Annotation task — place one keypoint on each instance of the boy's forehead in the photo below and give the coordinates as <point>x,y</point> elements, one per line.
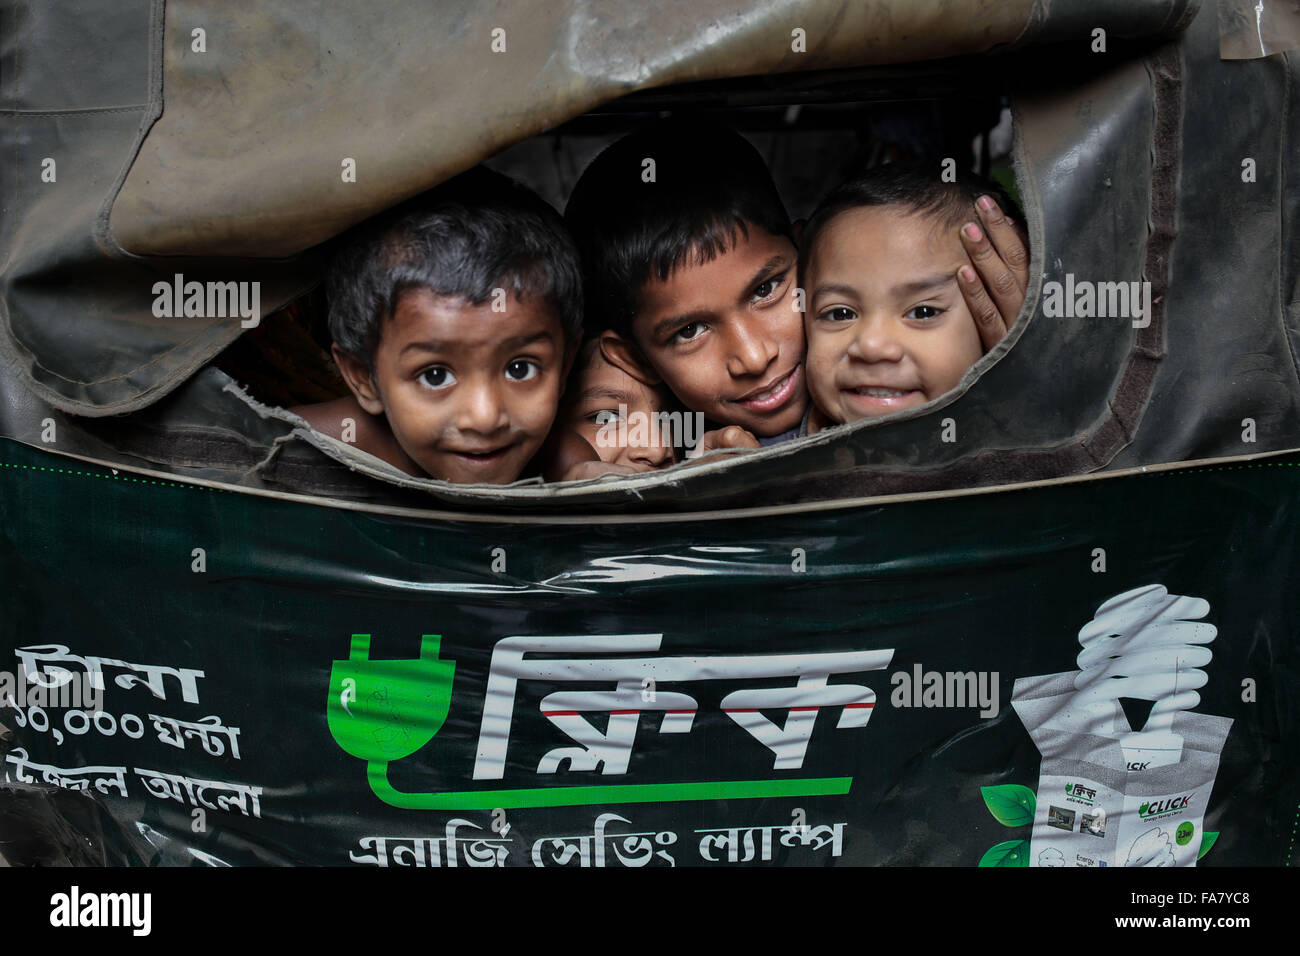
<point>698,286</point>
<point>424,317</point>
<point>897,242</point>
<point>602,379</point>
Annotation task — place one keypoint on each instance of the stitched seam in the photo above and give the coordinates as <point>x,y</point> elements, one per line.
<point>76,112</point>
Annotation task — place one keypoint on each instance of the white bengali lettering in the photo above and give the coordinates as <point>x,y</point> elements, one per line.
<point>610,749</point>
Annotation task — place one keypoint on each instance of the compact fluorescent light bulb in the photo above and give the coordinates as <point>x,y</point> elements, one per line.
<point>1147,644</point>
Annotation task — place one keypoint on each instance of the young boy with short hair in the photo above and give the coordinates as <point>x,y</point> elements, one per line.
<point>887,325</point>
<point>690,256</point>
<point>690,259</point>
<point>455,318</point>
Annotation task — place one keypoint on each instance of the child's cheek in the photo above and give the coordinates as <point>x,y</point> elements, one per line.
<point>543,412</point>
<point>687,390</point>
<point>817,360</point>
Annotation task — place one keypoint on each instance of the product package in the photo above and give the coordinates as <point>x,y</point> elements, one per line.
<point>1109,795</point>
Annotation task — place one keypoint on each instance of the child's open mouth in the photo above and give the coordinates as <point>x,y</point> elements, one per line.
<point>480,459</point>
<point>771,397</point>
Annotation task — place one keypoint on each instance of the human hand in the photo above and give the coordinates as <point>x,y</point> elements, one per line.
<point>594,469</point>
<point>733,436</point>
<point>994,288</point>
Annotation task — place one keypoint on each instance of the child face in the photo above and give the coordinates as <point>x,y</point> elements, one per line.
<point>470,393</point>
<point>888,328</point>
<point>598,391</point>
<point>725,338</point>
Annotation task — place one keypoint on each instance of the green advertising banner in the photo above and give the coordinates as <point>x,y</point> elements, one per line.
<point>1088,673</point>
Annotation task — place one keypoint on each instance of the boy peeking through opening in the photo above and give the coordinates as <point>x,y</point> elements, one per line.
<point>689,256</point>
<point>610,422</point>
<point>888,324</point>
<point>455,319</point>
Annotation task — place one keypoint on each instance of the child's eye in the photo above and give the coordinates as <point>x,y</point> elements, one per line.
<point>839,314</point>
<point>437,377</point>
<point>604,417</point>
<point>923,312</point>
<point>520,370</point>
<point>689,331</point>
<point>765,288</point>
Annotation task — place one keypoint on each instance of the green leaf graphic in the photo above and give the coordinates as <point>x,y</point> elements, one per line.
<point>1011,804</point>
<point>1207,841</point>
<point>1010,853</point>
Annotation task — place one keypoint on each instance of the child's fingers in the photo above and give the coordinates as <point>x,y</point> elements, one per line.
<point>733,436</point>
<point>988,319</point>
<point>1001,281</point>
<point>1003,288</point>
<point>594,469</point>
<point>1005,238</point>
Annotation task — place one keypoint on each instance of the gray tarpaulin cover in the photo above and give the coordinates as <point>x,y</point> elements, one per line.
<point>225,165</point>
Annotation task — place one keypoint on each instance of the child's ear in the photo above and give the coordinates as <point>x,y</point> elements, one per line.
<point>359,380</point>
<point>623,353</point>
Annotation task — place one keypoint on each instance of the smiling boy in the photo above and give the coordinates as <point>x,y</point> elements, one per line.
<point>690,257</point>
<point>888,327</point>
<point>455,319</point>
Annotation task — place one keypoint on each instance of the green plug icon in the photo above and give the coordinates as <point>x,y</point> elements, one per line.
<point>385,710</point>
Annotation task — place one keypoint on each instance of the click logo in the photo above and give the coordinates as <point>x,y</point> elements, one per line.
<point>1079,792</point>
<point>74,909</point>
<point>1157,808</point>
<point>396,707</point>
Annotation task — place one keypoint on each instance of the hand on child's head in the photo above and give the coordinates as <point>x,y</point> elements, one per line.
<point>995,282</point>
<point>888,328</point>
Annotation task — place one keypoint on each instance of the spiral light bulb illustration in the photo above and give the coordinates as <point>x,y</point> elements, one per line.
<point>1146,644</point>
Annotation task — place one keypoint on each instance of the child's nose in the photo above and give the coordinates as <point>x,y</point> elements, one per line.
<point>876,340</point>
<point>481,410</point>
<point>751,351</point>
<point>652,454</point>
